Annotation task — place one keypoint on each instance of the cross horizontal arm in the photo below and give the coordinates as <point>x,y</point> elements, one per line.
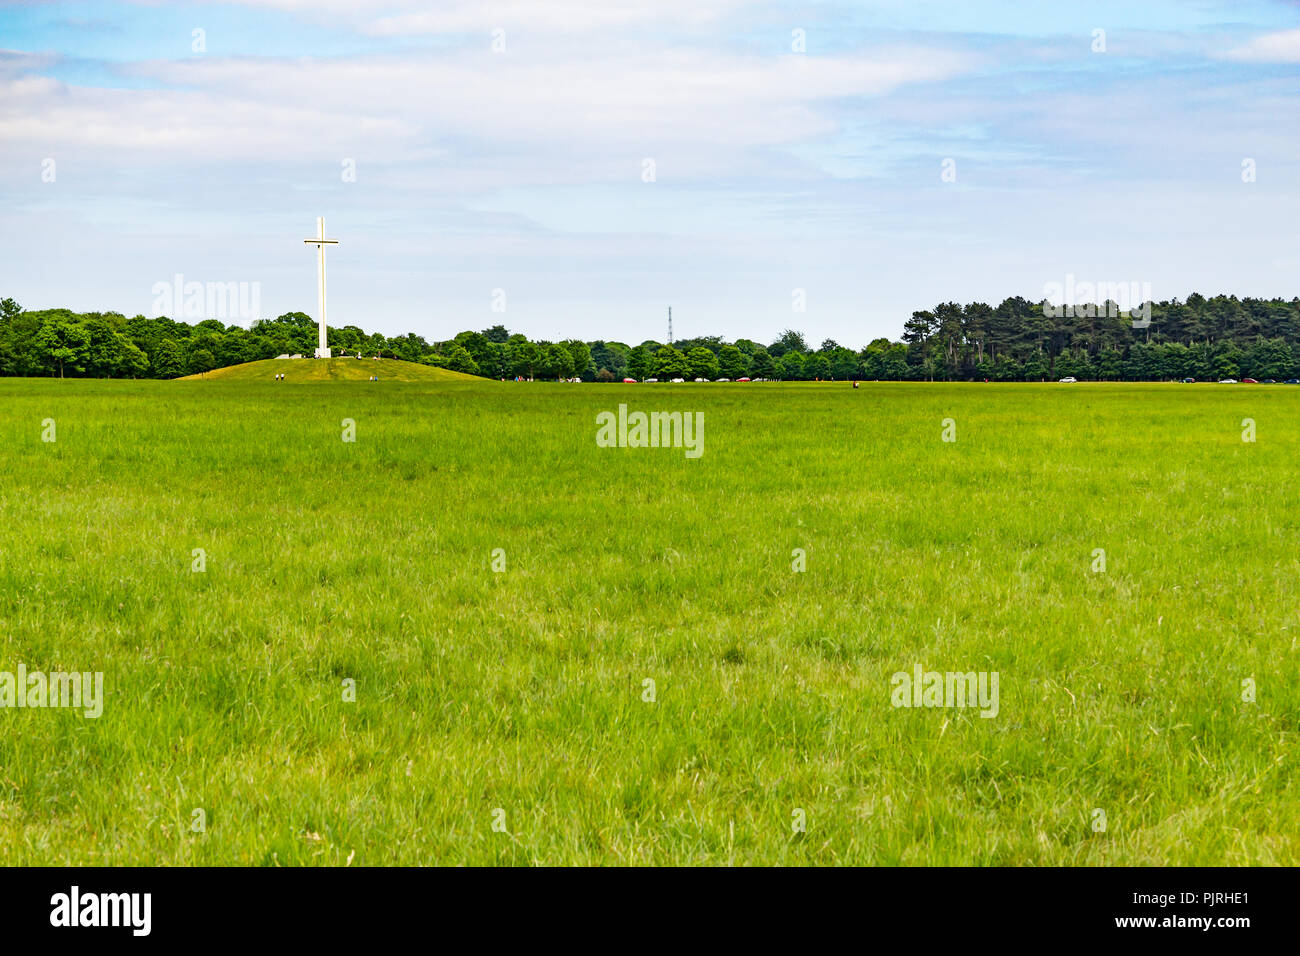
<point>328,242</point>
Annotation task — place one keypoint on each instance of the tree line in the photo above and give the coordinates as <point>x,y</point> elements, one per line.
<point>1017,340</point>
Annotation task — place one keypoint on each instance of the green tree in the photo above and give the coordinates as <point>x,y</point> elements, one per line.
<point>1036,367</point>
<point>702,363</point>
<point>1007,369</point>
<point>788,341</point>
<point>476,344</point>
<point>168,361</point>
<point>792,366</point>
<point>894,368</point>
<point>557,361</point>
<point>581,353</point>
<point>459,360</point>
<point>1269,358</point>
<point>201,360</point>
<point>844,364</point>
<point>732,362</point>
<point>610,357</point>
<point>526,358</point>
<point>346,339</point>
<point>817,366</point>
<point>761,364</point>
<point>1109,365</point>
<point>133,362</point>
<point>63,343</point>
<point>494,364</point>
<point>669,363</point>
<point>110,352</point>
<point>920,328</point>
<point>638,363</point>
<point>1227,362</point>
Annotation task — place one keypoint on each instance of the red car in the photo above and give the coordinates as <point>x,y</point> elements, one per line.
<point>630,381</point>
<point>743,379</point>
<point>1249,381</point>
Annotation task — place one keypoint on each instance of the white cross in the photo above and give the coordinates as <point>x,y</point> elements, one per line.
<point>322,350</point>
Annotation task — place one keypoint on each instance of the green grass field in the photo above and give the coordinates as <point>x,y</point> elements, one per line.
<point>523,690</point>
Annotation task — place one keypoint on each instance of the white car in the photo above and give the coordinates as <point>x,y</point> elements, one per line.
<point>701,380</point>
<point>724,380</point>
<point>1227,381</point>
<point>1069,380</point>
<point>678,381</point>
<point>650,381</point>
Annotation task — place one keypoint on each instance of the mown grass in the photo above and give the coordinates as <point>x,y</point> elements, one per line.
<point>522,690</point>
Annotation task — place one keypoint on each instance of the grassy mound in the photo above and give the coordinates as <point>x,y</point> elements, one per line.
<point>333,370</point>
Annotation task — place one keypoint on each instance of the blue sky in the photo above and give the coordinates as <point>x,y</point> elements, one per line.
<point>523,169</point>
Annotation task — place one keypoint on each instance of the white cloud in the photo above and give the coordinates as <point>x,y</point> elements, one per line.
<point>165,125</point>
<point>15,62</point>
<point>464,16</point>
<point>540,117</point>
<point>1280,47</point>
<point>458,17</point>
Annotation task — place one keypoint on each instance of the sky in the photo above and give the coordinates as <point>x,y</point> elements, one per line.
<point>573,169</point>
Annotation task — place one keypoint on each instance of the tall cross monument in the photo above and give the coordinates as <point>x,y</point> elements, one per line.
<point>322,350</point>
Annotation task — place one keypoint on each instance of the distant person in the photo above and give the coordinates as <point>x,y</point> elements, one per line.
<point>855,384</point>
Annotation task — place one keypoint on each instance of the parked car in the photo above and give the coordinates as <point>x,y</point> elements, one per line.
<point>701,380</point>
<point>743,379</point>
<point>1227,381</point>
<point>1292,381</point>
<point>1269,381</point>
<point>630,381</point>
<point>723,380</point>
<point>651,381</point>
<point>1189,381</point>
<point>1069,380</point>
<point>677,381</point>
<point>1249,381</point>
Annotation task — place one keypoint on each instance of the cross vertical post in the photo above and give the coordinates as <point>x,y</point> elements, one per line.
<point>322,350</point>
